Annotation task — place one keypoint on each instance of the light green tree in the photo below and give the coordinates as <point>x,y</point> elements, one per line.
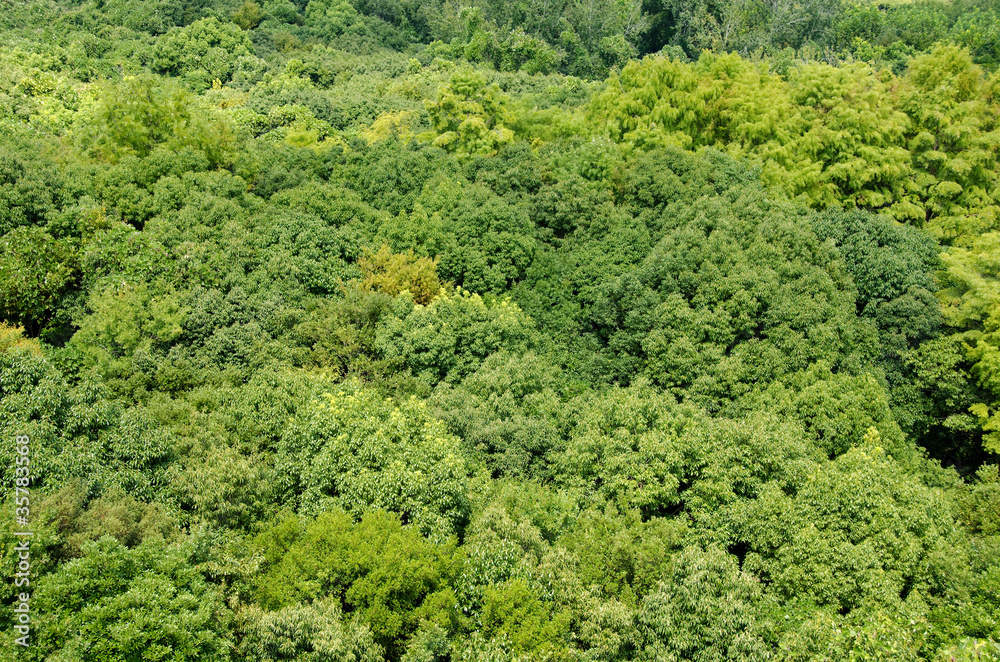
<point>311,632</point>
<point>357,450</point>
<point>202,51</point>
<point>469,116</point>
<point>119,604</point>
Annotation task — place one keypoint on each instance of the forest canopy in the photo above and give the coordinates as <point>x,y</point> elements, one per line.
<point>567,330</point>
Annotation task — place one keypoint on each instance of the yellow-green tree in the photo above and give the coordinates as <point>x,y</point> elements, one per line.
<point>394,273</point>
<point>469,116</point>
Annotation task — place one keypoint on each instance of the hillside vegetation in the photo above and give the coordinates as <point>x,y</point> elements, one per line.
<point>532,330</point>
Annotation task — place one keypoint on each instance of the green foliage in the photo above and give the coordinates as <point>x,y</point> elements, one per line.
<point>126,319</point>
<point>839,410</point>
<point>740,26</point>
<point>509,413</point>
<point>330,18</point>
<point>429,644</point>
<point>737,292</point>
<point>977,31</point>
<point>953,142</point>
<point>970,279</point>
<point>893,268</point>
<point>223,487</point>
<point>873,546</point>
<point>620,554</point>
<point>12,338</point>
<point>355,450</point>
<point>706,608</point>
<point>877,635</point>
<point>655,359</point>
<point>972,649</point>
<point>202,51</point>
<point>470,117</point>
<point>115,603</point>
<point>628,448</point>
<point>340,334</point>
<point>34,399</point>
<point>384,572</point>
<point>248,15</point>
<point>512,612</point>
<point>979,502</point>
<point>306,633</point>
<point>154,17</point>
<point>140,113</point>
<point>79,433</point>
<point>394,273</point>
<point>450,337</point>
<point>825,133</point>
<point>36,271</point>
<point>30,192</point>
<point>490,246</point>
<point>75,520</point>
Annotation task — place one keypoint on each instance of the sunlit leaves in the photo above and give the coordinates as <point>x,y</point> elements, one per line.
<point>386,573</point>
<point>451,336</point>
<point>306,633</point>
<point>357,451</point>
<point>394,273</point>
<point>469,116</point>
<point>35,271</point>
<point>136,115</point>
<point>202,51</point>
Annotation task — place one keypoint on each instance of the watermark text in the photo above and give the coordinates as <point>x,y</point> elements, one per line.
<point>22,514</point>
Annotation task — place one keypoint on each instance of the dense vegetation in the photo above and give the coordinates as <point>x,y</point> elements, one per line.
<point>554,330</point>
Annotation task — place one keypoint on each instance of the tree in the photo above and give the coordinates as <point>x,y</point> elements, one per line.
<point>127,318</point>
<point>450,337</point>
<point>116,603</point>
<point>36,271</point>
<point>630,447</point>
<point>356,450</point>
<point>705,608</point>
<point>331,18</point>
<point>509,413</point>
<point>248,15</point>
<point>12,338</point>
<point>470,117</point>
<point>394,273</point>
<point>202,51</point>
<point>857,534</point>
<point>386,574</point>
<point>953,143</point>
<point>697,318</point>
<point>141,112</point>
<point>313,632</point>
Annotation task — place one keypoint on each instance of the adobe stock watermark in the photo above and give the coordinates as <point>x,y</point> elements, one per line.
<point>22,511</point>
